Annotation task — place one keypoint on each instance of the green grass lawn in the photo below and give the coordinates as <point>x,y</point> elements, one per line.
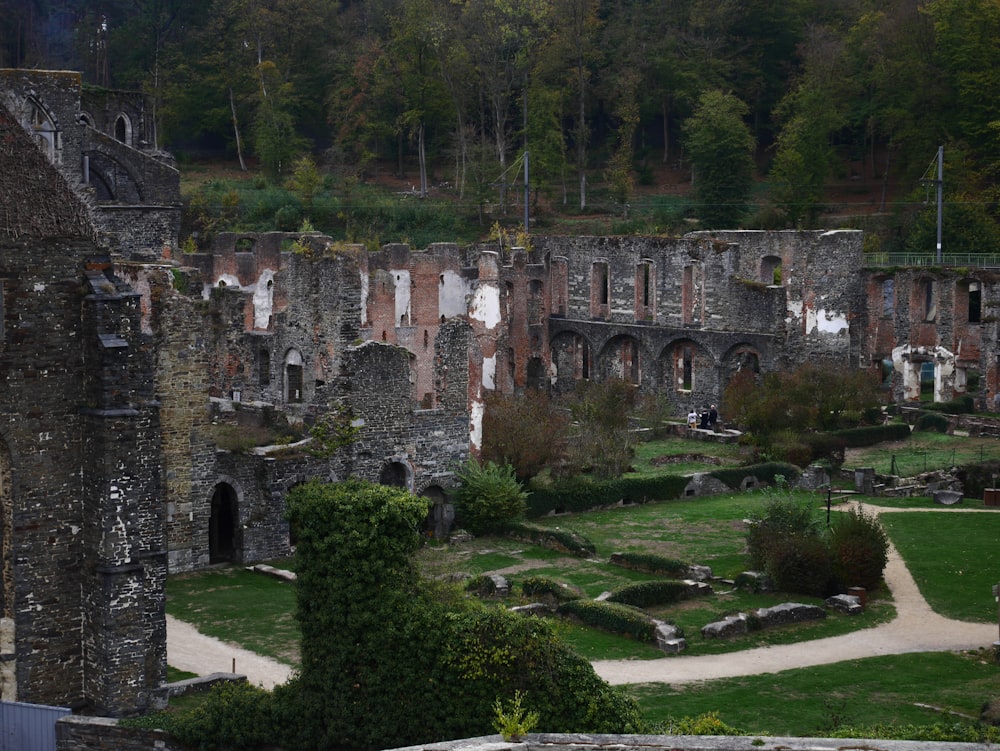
<point>924,451</point>
<point>816,700</point>
<point>233,604</point>
<point>955,558</point>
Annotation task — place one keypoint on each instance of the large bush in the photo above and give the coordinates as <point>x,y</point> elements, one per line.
<point>859,548</point>
<point>386,663</point>
<point>489,498</point>
<point>788,542</point>
<point>527,432</point>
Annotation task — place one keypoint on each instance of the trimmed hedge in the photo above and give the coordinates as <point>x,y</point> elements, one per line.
<point>765,473</point>
<point>560,540</point>
<point>650,563</point>
<point>581,494</point>
<point>540,586</point>
<point>612,617</point>
<point>649,594</point>
<point>871,435</point>
<point>931,422</point>
<point>961,405</point>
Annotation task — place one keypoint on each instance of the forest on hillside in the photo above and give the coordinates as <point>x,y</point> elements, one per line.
<point>763,105</point>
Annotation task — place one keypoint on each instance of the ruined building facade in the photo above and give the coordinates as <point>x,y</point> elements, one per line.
<point>82,550</point>
<point>133,373</point>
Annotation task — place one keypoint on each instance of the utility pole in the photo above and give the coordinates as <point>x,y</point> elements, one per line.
<point>940,197</point>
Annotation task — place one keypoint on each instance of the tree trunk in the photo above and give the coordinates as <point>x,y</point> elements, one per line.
<point>236,130</point>
<point>422,157</point>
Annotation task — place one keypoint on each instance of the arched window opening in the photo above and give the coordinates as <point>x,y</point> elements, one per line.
<point>293,377</point>
<point>123,130</point>
<point>395,475</point>
<point>222,524</point>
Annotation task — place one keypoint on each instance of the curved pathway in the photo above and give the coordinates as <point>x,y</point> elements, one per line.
<point>916,628</point>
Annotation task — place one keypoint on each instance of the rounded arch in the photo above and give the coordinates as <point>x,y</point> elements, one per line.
<point>43,127</point>
<point>224,522</point>
<point>688,371</point>
<point>741,357</point>
<point>621,358</point>
<point>396,473</point>
<point>572,360</point>
<point>123,129</point>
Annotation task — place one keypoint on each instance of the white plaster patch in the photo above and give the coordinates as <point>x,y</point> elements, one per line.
<point>828,322</point>
<point>402,279</point>
<point>364,298</point>
<point>490,372</point>
<point>39,287</point>
<point>486,306</point>
<point>226,280</point>
<point>452,294</point>
<point>794,309</point>
<point>263,300</point>
<point>476,425</point>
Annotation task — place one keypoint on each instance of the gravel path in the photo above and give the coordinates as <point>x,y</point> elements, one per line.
<point>190,650</point>
<point>916,628</point>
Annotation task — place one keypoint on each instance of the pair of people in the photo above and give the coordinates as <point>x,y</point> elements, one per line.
<point>708,420</point>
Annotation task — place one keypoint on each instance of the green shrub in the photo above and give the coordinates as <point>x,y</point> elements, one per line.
<point>780,519</point>
<point>481,586</point>
<point>489,498</point>
<point>765,473</point>
<point>540,586</point>
<point>932,422</point>
<point>561,540</point>
<point>860,549</point>
<point>582,494</point>
<point>961,405</point>
<point>650,563</point>
<point>706,724</point>
<point>951,732</point>
<point>870,435</point>
<point>977,477</point>
<point>650,594</point>
<point>612,617</point>
<point>802,564</point>
<point>232,715</point>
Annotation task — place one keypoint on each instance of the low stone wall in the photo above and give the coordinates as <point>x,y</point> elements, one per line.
<point>75,733</point>
<point>571,742</point>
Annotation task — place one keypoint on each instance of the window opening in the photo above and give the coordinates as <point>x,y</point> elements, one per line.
<point>975,302</point>
<point>222,524</point>
<point>888,297</point>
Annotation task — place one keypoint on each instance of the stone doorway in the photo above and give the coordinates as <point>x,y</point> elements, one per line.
<point>222,524</point>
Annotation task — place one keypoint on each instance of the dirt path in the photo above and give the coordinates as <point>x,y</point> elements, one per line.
<point>190,650</point>
<point>916,628</point>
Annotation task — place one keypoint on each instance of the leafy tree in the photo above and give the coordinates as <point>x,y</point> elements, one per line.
<point>388,661</point>
<point>602,440</point>
<point>804,156</point>
<point>527,432</point>
<point>810,398</point>
<point>860,549</point>
<point>489,498</point>
<point>721,147</point>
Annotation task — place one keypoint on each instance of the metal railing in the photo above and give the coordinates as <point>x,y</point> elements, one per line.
<point>948,260</point>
